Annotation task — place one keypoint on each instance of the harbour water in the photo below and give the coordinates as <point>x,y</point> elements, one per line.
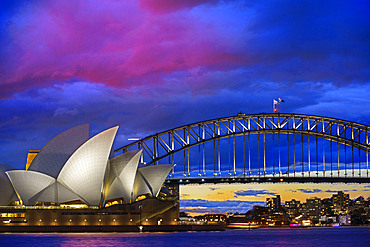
<point>341,236</point>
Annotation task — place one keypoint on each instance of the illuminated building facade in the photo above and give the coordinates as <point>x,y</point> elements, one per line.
<point>274,203</point>
<point>31,156</point>
<point>340,202</point>
<point>312,209</point>
<point>75,180</point>
<point>292,207</point>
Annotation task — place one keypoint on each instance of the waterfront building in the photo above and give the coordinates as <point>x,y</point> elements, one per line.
<point>345,219</point>
<point>258,215</point>
<point>76,180</point>
<point>341,202</point>
<point>313,209</point>
<point>212,218</point>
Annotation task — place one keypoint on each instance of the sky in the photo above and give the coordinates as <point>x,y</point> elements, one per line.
<point>152,65</point>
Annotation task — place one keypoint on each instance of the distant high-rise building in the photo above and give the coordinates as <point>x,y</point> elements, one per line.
<point>340,202</point>
<point>274,203</point>
<point>313,209</point>
<point>327,207</point>
<point>292,207</point>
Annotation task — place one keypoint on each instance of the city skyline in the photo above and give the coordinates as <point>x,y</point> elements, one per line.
<point>201,199</point>
<point>150,65</point>
<point>338,209</point>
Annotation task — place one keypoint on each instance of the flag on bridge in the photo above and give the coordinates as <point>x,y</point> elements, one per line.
<point>275,104</point>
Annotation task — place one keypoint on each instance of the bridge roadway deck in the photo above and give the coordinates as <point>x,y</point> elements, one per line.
<point>311,179</point>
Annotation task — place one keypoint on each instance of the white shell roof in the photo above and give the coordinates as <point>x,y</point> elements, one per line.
<point>57,193</point>
<point>151,179</point>
<point>49,194</point>
<point>141,187</point>
<point>122,175</point>
<point>7,193</point>
<point>65,195</point>
<point>27,184</point>
<point>84,171</point>
<point>52,157</point>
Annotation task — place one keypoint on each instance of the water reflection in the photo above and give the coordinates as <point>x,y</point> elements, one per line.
<point>350,236</point>
<point>112,239</point>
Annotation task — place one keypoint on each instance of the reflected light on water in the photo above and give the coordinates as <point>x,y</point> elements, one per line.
<point>343,236</point>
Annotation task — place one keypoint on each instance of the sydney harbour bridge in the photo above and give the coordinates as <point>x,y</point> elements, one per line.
<point>261,148</point>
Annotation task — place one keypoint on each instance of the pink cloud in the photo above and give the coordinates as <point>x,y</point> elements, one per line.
<point>113,42</point>
<point>172,5</point>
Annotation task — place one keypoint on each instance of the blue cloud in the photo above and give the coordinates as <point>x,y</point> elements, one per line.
<point>254,193</point>
<point>294,191</point>
<point>309,191</point>
<point>331,191</point>
<point>336,191</point>
<point>213,189</point>
<point>228,206</point>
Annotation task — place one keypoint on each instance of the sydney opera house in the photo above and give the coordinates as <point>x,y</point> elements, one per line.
<point>75,180</point>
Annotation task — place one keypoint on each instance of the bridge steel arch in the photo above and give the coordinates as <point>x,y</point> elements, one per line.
<point>165,145</point>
